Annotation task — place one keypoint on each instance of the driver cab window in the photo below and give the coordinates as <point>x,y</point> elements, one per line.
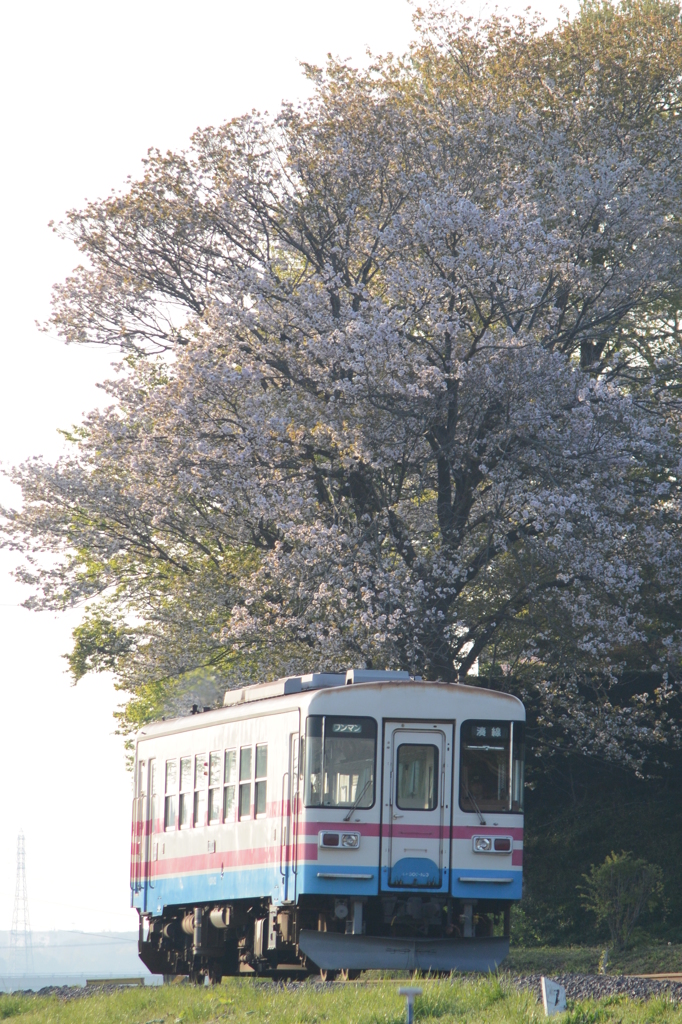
<point>491,766</point>
<point>340,755</point>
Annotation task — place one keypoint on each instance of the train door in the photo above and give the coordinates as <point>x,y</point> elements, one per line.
<point>135,843</point>
<point>289,823</point>
<point>149,848</point>
<point>139,862</point>
<point>416,799</point>
<point>145,826</point>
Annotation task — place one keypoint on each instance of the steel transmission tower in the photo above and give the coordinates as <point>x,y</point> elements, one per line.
<point>20,941</point>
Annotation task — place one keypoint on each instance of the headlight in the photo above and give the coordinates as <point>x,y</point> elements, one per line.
<point>345,840</point>
<point>492,844</point>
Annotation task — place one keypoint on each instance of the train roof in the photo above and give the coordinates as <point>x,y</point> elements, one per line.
<point>312,681</point>
<point>293,686</point>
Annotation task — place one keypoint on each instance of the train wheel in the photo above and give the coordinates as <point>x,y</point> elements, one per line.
<point>347,975</point>
<point>326,975</point>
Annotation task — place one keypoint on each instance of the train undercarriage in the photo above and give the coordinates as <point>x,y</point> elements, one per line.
<point>325,935</point>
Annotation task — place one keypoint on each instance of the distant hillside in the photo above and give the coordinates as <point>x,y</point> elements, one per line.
<point>74,953</point>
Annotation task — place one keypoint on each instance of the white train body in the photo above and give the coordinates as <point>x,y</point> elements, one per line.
<point>331,822</point>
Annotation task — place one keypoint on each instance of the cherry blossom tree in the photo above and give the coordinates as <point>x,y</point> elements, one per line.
<point>400,386</point>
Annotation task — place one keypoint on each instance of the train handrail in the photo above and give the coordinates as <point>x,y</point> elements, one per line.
<point>149,824</point>
<point>283,826</point>
<point>136,857</point>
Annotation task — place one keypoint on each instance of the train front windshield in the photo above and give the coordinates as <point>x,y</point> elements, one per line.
<point>339,758</point>
<point>491,766</point>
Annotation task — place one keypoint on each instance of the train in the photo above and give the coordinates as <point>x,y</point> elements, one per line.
<point>330,823</point>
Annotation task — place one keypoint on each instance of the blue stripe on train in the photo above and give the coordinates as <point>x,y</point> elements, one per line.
<point>209,886</point>
<point>254,883</point>
<point>320,878</point>
<point>464,883</point>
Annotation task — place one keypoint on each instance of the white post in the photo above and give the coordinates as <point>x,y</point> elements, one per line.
<point>553,996</point>
<point>410,994</point>
<point>357,917</point>
<point>468,922</point>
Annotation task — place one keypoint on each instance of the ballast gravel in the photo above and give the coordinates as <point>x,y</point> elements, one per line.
<point>67,992</point>
<point>578,987</point>
<point>600,986</point>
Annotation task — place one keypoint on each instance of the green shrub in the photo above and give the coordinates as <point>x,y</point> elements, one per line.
<point>617,892</point>
<point>11,1006</point>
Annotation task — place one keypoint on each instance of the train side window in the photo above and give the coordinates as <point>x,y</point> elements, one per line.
<point>230,781</point>
<point>245,769</point>
<point>518,762</point>
<point>200,792</point>
<point>171,788</point>
<point>312,758</point>
<point>186,793</point>
<point>214,760</point>
<point>261,783</point>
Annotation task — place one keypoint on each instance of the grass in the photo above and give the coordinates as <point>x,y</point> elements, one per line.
<point>489,1000</point>
<point>645,959</point>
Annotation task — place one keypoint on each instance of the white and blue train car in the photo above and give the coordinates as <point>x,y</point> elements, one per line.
<point>330,823</point>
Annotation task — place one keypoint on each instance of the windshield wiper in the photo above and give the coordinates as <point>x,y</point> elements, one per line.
<point>357,800</point>
<point>481,819</point>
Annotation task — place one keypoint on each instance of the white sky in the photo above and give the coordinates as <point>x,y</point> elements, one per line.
<point>85,89</point>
